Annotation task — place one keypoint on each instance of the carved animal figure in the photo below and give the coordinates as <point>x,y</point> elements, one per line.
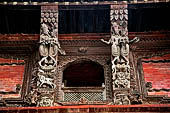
<point>43,80</point>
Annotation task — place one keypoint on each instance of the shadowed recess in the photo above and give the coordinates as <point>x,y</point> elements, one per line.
<point>84,74</point>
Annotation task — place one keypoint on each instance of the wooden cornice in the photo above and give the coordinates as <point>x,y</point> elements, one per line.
<point>165,35</point>
<point>19,37</point>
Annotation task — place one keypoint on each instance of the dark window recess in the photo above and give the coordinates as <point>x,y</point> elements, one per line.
<point>84,74</point>
<point>149,17</point>
<point>84,19</point>
<point>20,19</point>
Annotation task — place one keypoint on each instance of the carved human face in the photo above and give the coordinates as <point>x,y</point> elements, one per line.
<point>116,28</point>
<point>45,29</point>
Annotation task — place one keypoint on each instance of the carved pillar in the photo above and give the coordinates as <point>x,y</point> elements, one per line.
<point>48,50</point>
<point>44,74</point>
<point>120,53</point>
<point>49,47</point>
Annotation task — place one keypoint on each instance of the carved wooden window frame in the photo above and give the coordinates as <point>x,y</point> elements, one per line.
<point>30,58</point>
<point>148,99</point>
<point>65,61</point>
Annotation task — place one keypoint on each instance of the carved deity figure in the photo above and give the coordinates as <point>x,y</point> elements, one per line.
<point>44,40</point>
<point>49,42</point>
<point>114,41</point>
<point>122,76</point>
<point>121,81</point>
<point>120,45</point>
<point>49,47</point>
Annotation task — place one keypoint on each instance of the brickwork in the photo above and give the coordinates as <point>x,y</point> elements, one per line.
<point>11,74</point>
<point>158,73</point>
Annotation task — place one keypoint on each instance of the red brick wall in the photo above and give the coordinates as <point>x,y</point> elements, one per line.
<point>158,74</point>
<point>10,75</point>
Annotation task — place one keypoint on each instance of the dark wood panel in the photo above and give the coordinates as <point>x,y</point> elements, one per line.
<point>89,50</point>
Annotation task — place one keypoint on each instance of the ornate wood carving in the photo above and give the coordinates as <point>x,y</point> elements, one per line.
<point>120,54</point>
<point>44,74</point>
<point>22,90</point>
<point>123,80</point>
<point>158,46</point>
<point>65,61</point>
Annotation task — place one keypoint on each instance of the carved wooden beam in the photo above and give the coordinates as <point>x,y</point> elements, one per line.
<point>81,2</point>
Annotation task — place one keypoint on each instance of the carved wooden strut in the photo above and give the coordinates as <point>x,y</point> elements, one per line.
<point>119,54</point>
<point>43,82</point>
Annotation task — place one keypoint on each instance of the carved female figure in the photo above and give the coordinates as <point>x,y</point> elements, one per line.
<point>49,42</point>
<point>44,40</point>
<point>55,45</point>
<point>114,41</point>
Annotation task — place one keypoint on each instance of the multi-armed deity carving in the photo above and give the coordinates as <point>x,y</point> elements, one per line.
<point>44,76</point>
<point>119,52</point>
